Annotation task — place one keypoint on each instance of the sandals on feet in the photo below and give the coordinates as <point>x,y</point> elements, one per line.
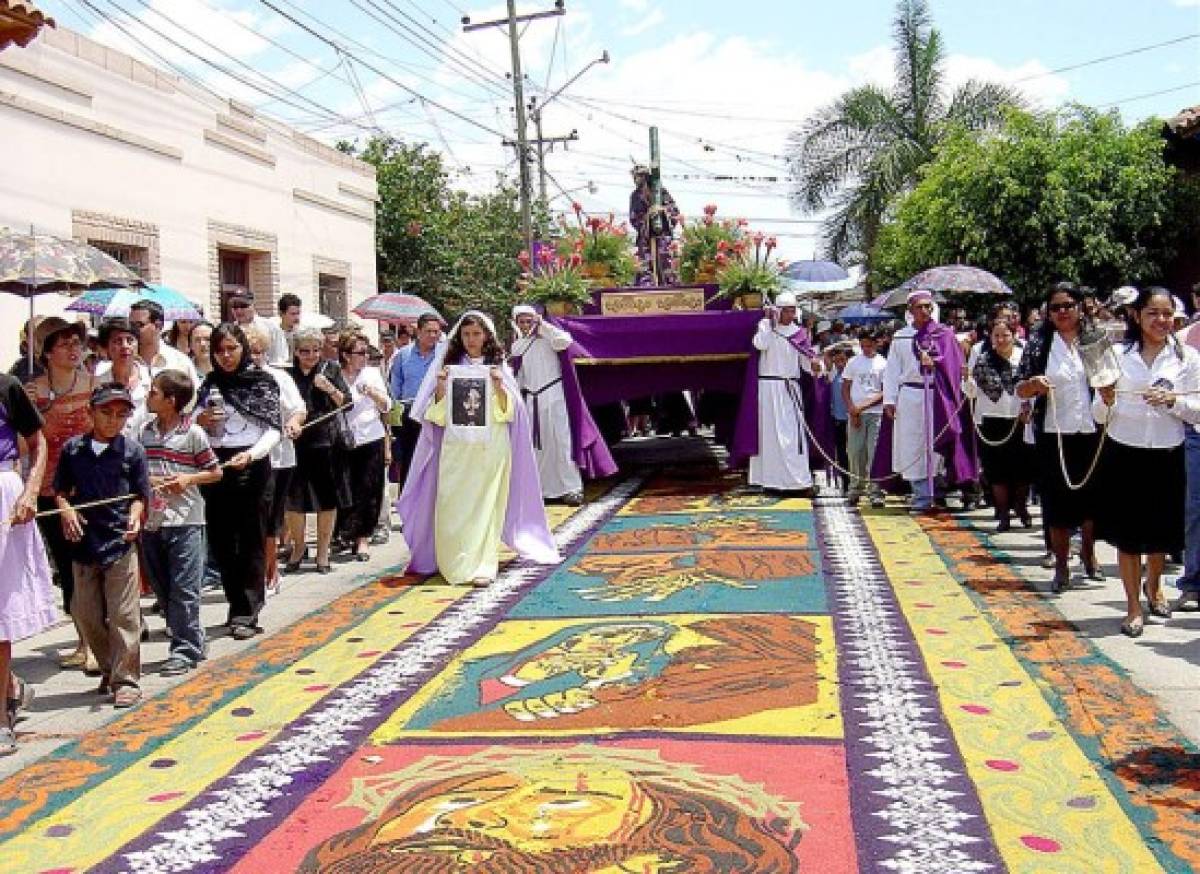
<point>1157,606</point>
<point>1133,627</point>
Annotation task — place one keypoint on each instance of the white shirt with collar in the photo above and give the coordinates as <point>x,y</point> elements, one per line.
<point>170,358</point>
<point>1068,407</point>
<point>277,344</point>
<point>1134,422</point>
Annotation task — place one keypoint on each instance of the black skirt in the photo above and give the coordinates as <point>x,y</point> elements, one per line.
<point>1142,505</point>
<point>281,479</point>
<point>1062,506</point>
<point>1013,462</point>
<point>320,482</point>
<point>366,469</point>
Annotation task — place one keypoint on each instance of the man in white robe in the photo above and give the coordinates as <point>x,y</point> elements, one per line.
<point>540,379</point>
<point>782,459</point>
<point>908,395</point>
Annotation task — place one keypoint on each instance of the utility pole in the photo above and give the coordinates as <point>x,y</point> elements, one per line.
<point>522,143</point>
<point>535,113</point>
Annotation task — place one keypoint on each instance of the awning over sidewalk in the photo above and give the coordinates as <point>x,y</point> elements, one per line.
<point>20,21</point>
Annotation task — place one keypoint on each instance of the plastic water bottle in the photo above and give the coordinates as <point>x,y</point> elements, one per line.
<point>216,405</point>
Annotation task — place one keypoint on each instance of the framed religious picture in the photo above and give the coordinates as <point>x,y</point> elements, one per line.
<point>467,395</point>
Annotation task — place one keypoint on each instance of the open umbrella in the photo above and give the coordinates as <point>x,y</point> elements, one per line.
<point>817,275</point>
<point>863,314</point>
<point>394,306</point>
<point>110,302</point>
<point>957,279</point>
<point>33,264</point>
<point>898,297</point>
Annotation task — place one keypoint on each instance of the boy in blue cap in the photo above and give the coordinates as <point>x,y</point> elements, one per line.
<point>102,487</point>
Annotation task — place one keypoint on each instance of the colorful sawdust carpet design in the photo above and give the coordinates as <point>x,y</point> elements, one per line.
<point>713,680</point>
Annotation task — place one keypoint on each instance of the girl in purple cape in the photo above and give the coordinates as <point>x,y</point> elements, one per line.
<point>472,486</point>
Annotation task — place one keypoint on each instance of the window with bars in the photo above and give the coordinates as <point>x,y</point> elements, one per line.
<point>136,258</point>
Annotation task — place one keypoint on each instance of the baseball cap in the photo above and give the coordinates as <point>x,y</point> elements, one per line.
<point>109,392</point>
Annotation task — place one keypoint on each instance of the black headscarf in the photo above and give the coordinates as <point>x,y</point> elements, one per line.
<point>249,390</point>
<point>994,374</point>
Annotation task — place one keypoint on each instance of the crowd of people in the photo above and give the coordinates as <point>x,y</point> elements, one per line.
<point>167,460</point>
<point>1078,405</point>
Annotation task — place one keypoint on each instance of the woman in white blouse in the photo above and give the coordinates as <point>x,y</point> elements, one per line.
<point>1067,438</point>
<point>1146,412</point>
<point>1007,460</point>
<point>365,462</point>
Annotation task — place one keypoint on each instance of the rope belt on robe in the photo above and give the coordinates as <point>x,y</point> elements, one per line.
<point>792,383</point>
<point>535,416</point>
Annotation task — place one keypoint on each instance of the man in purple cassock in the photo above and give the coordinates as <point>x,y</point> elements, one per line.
<point>922,435</point>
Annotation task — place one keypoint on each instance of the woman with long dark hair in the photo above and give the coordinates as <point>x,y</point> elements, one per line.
<point>1052,373</point>
<point>1146,412</point>
<point>320,484</point>
<point>364,462</point>
<point>1007,460</point>
<point>473,482</point>
<point>239,407</point>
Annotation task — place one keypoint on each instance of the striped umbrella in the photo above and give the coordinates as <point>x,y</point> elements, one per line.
<point>394,306</point>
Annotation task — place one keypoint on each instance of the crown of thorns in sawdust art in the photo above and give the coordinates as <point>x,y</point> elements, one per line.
<point>373,794</point>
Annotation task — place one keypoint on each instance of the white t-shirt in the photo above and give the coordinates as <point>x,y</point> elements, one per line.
<point>364,416</point>
<point>866,380</point>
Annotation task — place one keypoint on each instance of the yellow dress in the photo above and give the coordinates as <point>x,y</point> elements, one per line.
<point>472,495</point>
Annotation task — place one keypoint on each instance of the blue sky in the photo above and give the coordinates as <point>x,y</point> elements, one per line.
<point>724,81</point>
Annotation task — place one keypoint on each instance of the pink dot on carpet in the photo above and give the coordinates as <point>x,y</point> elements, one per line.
<point>935,631</point>
<point>954,664</point>
<point>977,709</point>
<point>924,605</point>
<point>1002,765</point>
<point>165,796</point>
<point>369,653</point>
<point>1041,844</point>
<point>252,735</point>
<point>321,687</point>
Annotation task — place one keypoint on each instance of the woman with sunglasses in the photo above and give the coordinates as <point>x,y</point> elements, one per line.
<point>1146,411</point>
<point>365,461</point>
<point>1052,373</point>
<point>320,484</point>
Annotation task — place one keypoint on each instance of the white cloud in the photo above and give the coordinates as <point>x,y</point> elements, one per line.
<point>654,19</point>
<point>1031,78</point>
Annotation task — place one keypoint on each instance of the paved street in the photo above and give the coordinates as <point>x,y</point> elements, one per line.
<point>801,683</point>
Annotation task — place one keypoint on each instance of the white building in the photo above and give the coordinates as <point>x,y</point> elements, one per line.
<point>200,194</point>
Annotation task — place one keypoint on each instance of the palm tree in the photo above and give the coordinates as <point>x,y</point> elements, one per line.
<point>856,154</point>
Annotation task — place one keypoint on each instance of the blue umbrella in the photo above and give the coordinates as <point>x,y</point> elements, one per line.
<point>863,314</point>
<point>110,302</point>
<point>817,275</point>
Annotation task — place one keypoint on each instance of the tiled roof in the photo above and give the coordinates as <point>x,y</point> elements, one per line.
<point>20,20</point>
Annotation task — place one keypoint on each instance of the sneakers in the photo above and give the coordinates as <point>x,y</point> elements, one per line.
<point>572,499</point>
<point>241,632</point>
<point>174,666</point>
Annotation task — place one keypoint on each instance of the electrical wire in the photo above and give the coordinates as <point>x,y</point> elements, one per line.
<point>465,118</point>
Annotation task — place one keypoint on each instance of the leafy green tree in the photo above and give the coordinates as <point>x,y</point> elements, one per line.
<point>456,250</point>
<point>1071,195</point>
<point>857,154</point>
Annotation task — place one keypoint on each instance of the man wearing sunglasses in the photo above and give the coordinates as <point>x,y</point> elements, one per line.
<point>241,308</point>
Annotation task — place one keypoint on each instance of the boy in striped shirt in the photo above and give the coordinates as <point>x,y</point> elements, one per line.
<point>180,461</point>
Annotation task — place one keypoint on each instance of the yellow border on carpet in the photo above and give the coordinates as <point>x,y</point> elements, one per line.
<point>1048,808</point>
<point>111,814</point>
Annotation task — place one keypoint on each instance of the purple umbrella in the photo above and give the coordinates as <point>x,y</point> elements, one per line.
<point>957,279</point>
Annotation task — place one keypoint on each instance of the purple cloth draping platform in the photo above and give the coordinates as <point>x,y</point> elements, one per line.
<point>624,357</point>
